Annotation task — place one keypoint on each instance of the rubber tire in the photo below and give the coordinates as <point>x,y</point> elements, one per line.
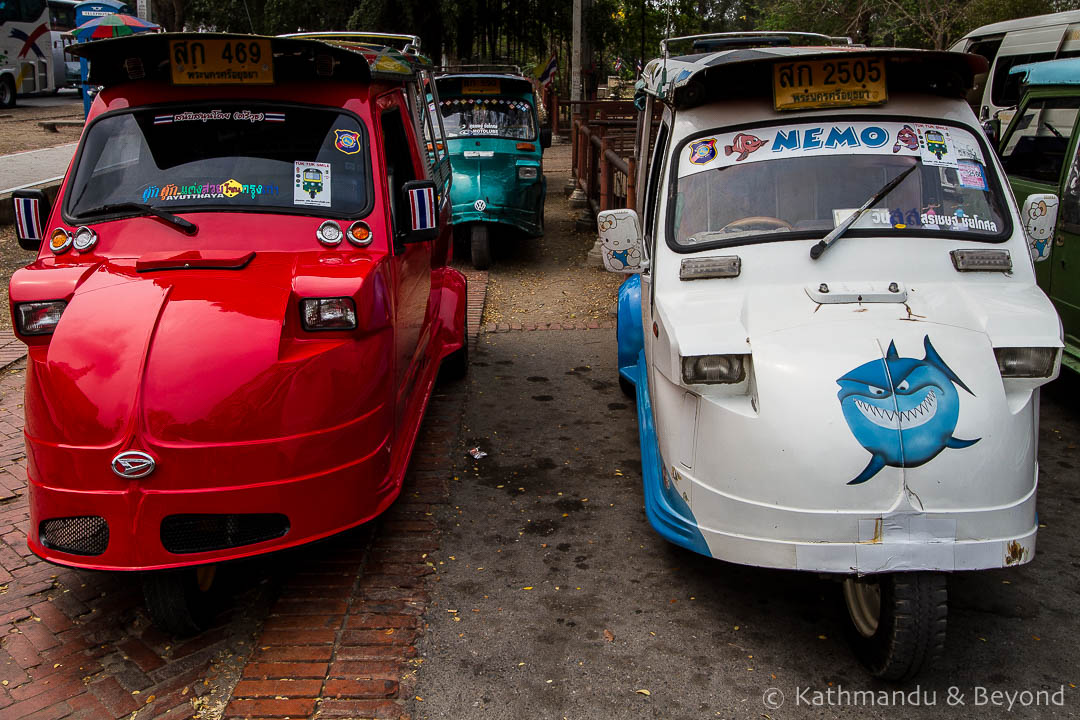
<point>456,365</point>
<point>7,92</point>
<point>176,604</point>
<point>911,626</point>
<point>480,246</point>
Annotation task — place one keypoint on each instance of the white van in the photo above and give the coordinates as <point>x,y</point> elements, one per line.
<point>832,328</point>
<point>1015,42</point>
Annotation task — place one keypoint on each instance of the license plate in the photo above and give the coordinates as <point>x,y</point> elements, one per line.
<point>843,82</point>
<point>221,62</point>
<point>480,86</point>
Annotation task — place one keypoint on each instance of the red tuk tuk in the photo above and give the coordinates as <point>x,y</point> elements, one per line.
<point>239,306</point>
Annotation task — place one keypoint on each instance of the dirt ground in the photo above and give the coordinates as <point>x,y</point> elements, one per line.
<point>544,280</point>
<point>19,129</point>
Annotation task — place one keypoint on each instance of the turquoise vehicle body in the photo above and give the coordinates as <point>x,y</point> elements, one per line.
<point>496,150</point>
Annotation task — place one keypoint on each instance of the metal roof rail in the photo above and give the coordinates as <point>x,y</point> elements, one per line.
<point>769,37</point>
<point>480,68</point>
<point>411,46</point>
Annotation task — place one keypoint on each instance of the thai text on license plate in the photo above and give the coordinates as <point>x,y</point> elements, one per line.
<point>840,82</point>
<point>221,62</point>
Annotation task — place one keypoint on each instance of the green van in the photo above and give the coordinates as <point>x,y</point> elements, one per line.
<point>496,150</point>
<point>1039,151</point>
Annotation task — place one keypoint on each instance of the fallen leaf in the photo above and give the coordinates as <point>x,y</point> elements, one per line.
<point>527,587</point>
<point>609,636</point>
<point>643,691</point>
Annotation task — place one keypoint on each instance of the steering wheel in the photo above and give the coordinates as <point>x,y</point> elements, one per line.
<point>748,222</point>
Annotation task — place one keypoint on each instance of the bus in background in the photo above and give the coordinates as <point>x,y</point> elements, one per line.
<point>62,21</point>
<point>25,56</point>
<point>1016,42</point>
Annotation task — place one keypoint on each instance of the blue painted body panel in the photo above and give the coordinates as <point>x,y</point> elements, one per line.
<point>1052,72</point>
<point>667,510</point>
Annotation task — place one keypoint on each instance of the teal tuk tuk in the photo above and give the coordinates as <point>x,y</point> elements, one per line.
<point>496,150</point>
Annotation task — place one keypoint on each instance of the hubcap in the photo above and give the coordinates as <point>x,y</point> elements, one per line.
<point>863,599</point>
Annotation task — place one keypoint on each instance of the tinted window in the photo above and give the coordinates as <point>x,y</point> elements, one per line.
<point>1036,149</point>
<point>506,117</point>
<point>399,166</point>
<point>226,157</point>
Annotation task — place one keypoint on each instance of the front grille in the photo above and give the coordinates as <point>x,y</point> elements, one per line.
<point>84,535</point>
<point>202,533</point>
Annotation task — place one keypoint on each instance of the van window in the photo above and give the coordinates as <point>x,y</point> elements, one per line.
<point>1036,149</point>
<point>399,165</point>
<point>1005,90</point>
<point>797,181</point>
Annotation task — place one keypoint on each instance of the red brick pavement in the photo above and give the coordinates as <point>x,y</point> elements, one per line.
<point>338,620</point>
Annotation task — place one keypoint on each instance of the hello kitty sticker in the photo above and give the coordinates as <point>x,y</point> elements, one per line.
<point>620,241</point>
<point>1040,217</point>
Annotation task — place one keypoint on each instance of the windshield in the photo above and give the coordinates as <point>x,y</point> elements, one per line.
<point>506,117</point>
<point>772,182</point>
<point>245,156</point>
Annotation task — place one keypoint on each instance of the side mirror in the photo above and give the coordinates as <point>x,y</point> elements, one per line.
<point>992,128</point>
<point>620,240</point>
<point>423,211</point>
<point>1039,214</point>
<point>545,137</point>
<point>31,214</point>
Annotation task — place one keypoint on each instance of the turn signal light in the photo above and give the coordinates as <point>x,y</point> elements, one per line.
<point>359,234</point>
<point>60,241</point>
<point>728,266</point>
<point>1030,362</point>
<point>526,146</point>
<point>328,313</point>
<point>39,318</point>
<point>713,369</point>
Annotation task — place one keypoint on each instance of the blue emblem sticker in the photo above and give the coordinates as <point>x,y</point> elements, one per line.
<point>703,151</point>
<point>347,141</point>
<point>902,410</point>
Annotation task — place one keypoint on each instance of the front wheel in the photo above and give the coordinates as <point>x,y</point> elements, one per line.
<point>898,621</point>
<point>7,92</point>
<point>480,245</point>
<point>180,601</point>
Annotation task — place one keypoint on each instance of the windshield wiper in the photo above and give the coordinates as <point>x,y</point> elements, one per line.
<point>186,225</point>
<point>834,235</point>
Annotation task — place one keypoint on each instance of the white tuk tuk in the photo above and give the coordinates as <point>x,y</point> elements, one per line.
<point>833,326</point>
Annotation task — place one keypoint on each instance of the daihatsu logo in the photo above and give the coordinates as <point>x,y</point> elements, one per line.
<point>133,464</point>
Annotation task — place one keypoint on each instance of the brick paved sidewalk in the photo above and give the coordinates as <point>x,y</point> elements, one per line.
<point>340,616</point>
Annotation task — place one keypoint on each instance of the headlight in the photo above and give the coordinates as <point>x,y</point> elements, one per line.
<point>328,313</point>
<point>329,233</point>
<point>713,369</point>
<point>528,172</point>
<point>39,318</point>
<point>1020,362</point>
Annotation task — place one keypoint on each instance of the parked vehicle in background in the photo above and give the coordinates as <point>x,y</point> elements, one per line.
<point>832,327</point>
<point>26,58</point>
<point>239,306</point>
<point>62,22</point>
<point>1011,43</point>
<point>1039,150</point>
<point>496,150</point>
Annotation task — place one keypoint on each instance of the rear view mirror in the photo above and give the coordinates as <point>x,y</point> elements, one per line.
<point>1039,214</point>
<point>423,211</point>
<point>31,215</point>
<point>545,137</point>
<point>992,128</point>
<point>620,240</point>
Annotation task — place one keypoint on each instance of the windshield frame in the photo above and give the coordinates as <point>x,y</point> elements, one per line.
<point>1002,236</point>
<point>216,104</point>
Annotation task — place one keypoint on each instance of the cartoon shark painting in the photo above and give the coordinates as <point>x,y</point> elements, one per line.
<point>921,390</point>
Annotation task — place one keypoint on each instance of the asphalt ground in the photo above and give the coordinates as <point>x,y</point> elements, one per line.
<point>554,598</point>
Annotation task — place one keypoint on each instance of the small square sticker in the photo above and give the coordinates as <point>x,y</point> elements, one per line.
<point>311,183</point>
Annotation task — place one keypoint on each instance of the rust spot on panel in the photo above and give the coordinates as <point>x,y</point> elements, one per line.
<point>1015,553</point>
<point>912,316</point>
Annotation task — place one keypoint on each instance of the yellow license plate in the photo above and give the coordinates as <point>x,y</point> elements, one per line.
<point>221,62</point>
<point>480,86</point>
<point>841,82</point>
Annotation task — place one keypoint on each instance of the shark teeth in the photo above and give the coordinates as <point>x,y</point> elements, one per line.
<point>916,416</point>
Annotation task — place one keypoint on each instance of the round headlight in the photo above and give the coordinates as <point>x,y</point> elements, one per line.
<point>85,238</point>
<point>60,241</point>
<point>359,234</point>
<point>329,233</point>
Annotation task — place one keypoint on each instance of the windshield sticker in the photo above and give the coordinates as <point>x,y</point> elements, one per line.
<point>242,115</point>
<point>311,183</point>
<point>901,219</point>
<point>704,151</point>
<point>971,175</point>
<point>744,144</point>
<point>347,141</point>
<point>935,145</point>
<point>207,191</point>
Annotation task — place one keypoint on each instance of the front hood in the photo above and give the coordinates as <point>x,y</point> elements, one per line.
<point>204,356</point>
<point>486,174</point>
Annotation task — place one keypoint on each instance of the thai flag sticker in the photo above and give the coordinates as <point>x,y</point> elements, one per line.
<point>26,218</point>
<point>422,201</point>
<point>275,117</point>
<point>163,119</point>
